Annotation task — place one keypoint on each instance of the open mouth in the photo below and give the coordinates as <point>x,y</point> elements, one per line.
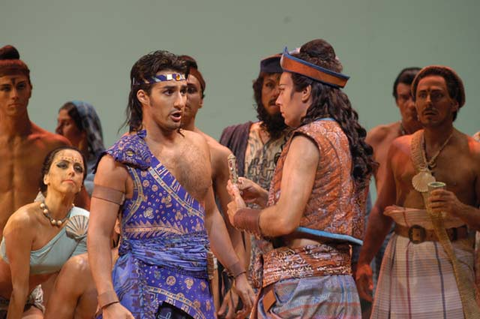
<point>176,116</point>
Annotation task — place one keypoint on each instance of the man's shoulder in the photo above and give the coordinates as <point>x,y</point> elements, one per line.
<point>476,136</point>
<point>234,130</point>
<point>195,137</point>
<point>473,145</point>
<point>381,133</point>
<point>40,135</point>
<point>401,144</point>
<point>215,147</point>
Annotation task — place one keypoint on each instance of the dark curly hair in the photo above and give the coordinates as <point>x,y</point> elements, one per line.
<point>273,124</point>
<point>47,163</point>
<point>146,67</point>
<point>329,101</point>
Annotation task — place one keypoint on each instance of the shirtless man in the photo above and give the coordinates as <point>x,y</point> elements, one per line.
<point>23,145</point>
<point>218,155</point>
<point>441,151</point>
<point>164,175</point>
<point>382,136</point>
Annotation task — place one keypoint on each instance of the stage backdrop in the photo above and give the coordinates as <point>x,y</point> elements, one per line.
<point>84,49</point>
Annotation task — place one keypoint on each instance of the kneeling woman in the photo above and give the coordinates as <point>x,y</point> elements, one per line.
<point>40,237</point>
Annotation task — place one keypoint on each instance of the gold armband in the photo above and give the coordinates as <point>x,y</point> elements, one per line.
<point>107,298</point>
<point>109,194</point>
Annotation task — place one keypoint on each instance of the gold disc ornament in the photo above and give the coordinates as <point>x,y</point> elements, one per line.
<point>422,179</point>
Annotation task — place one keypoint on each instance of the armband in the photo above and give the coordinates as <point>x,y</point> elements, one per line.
<point>108,194</point>
<point>107,298</point>
<point>236,270</point>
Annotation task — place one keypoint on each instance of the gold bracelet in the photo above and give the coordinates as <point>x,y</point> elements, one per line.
<point>107,298</point>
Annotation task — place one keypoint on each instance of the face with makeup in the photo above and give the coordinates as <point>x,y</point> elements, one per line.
<point>66,172</point>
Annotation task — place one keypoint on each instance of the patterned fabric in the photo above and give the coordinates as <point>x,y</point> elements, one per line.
<point>163,252</point>
<point>334,205</point>
<point>327,297</point>
<point>261,158</point>
<point>417,280</point>
<point>257,165</point>
<point>260,162</point>
<point>307,261</point>
<point>92,126</point>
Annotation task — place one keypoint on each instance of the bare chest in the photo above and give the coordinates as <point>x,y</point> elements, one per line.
<point>20,171</point>
<point>190,166</point>
<point>453,167</point>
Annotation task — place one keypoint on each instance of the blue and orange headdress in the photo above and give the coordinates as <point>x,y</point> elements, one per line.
<point>292,64</point>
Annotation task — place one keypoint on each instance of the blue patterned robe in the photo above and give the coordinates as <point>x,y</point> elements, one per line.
<point>163,251</point>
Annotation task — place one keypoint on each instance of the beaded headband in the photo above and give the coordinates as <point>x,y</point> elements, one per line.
<point>295,65</point>
<point>162,78</point>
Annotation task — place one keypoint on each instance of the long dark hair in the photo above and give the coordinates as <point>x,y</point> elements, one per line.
<point>329,101</point>
<point>146,67</point>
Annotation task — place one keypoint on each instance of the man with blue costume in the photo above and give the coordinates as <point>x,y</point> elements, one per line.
<point>158,177</point>
<point>315,209</point>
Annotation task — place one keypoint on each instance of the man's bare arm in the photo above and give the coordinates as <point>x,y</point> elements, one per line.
<point>101,226</point>
<point>377,229</point>
<point>223,249</point>
<point>220,186</point>
<point>297,184</point>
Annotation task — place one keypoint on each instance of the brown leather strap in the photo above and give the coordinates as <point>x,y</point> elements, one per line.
<point>109,194</point>
<point>107,298</point>
<point>248,219</point>
<point>268,298</point>
<point>417,234</point>
<point>236,269</point>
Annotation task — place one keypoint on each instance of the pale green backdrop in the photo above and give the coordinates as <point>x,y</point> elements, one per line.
<point>85,49</point>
